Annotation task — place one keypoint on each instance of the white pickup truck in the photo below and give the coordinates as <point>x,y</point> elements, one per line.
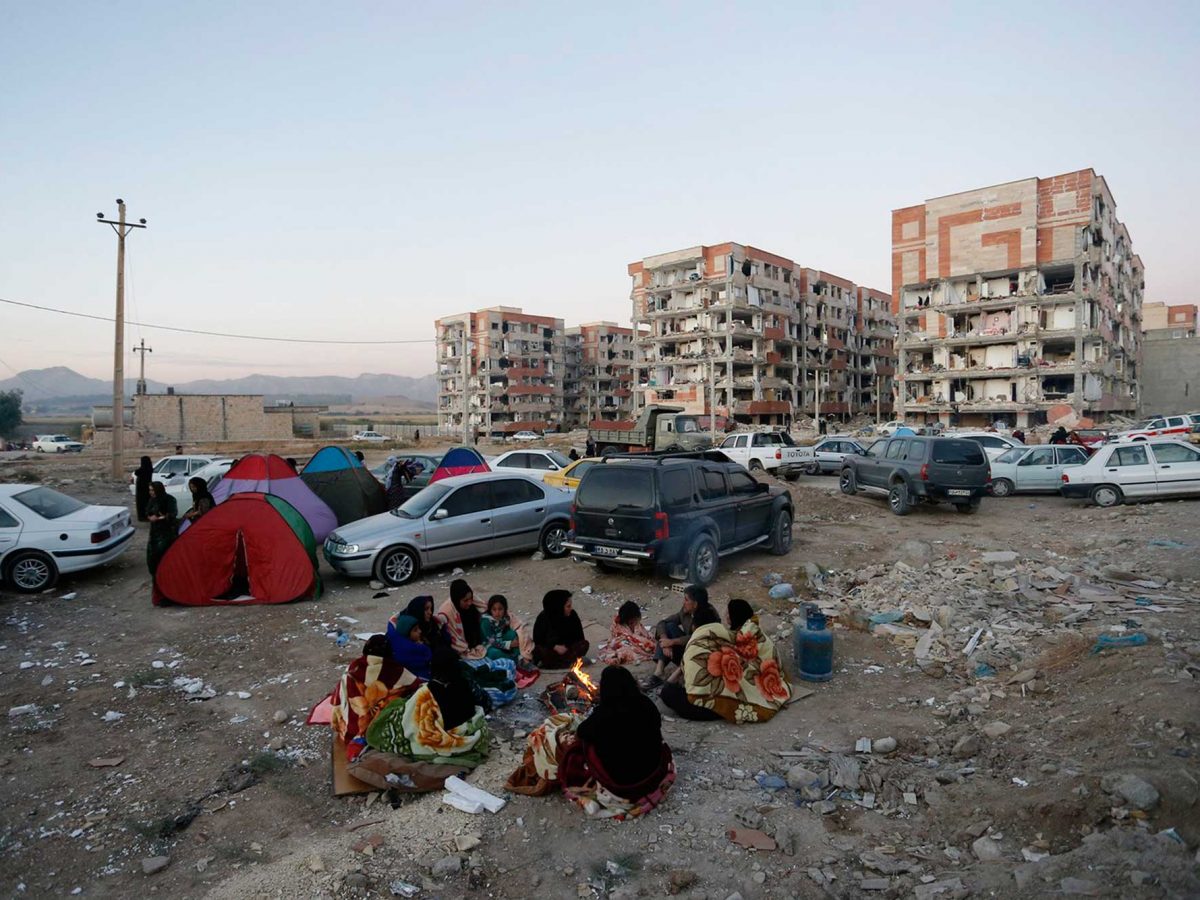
<point>769,451</point>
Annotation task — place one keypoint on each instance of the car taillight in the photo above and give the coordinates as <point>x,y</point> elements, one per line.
<point>571,523</point>
<point>779,454</point>
<point>99,537</point>
<point>662,527</point>
<point>925,471</point>
<point>1066,479</point>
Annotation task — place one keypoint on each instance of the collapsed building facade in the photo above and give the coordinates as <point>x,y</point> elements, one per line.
<point>741,333</point>
<point>1015,299</point>
<point>598,373</point>
<point>499,371</point>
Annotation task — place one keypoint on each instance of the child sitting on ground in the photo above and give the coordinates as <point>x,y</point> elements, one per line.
<point>499,636</point>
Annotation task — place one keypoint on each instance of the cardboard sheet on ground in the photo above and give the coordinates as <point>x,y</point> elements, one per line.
<point>345,784</point>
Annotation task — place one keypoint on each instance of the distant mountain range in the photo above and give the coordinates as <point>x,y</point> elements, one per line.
<point>65,388</point>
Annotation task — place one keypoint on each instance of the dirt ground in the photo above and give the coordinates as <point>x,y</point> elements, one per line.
<point>241,804</point>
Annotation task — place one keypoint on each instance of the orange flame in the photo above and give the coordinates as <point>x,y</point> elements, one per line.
<point>584,679</point>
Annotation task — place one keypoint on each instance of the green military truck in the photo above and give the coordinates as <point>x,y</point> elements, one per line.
<point>657,429</point>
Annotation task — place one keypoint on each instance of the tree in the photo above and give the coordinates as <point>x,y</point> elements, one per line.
<point>10,411</point>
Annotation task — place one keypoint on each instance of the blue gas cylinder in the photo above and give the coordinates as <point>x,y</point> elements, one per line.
<point>813,647</point>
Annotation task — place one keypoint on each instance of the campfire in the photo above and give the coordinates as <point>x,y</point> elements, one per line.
<point>574,693</point>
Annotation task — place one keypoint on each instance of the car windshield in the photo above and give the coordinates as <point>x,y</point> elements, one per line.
<point>421,502</point>
<point>785,438</point>
<point>559,460</point>
<point>1011,456</point>
<point>611,488</point>
<point>958,452</point>
<point>49,504</point>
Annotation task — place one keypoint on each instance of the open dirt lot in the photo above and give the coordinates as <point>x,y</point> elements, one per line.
<point>1005,779</point>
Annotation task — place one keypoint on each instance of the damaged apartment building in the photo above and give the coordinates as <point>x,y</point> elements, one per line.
<point>752,337</point>
<point>1016,299</point>
<point>598,379</point>
<point>501,370</point>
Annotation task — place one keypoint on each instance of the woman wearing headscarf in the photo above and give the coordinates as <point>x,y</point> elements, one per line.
<point>421,609</point>
<point>739,613</point>
<point>404,639</point>
<point>142,477</point>
<point>462,617</point>
<point>558,633</point>
<point>393,483</point>
<point>628,641</point>
<point>202,500</point>
<point>162,512</point>
<point>452,688</point>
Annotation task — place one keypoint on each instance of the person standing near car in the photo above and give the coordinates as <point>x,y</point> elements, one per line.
<point>202,500</point>
<point>163,514</point>
<point>141,487</point>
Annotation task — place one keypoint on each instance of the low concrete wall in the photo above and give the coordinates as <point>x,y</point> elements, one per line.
<point>1170,376</point>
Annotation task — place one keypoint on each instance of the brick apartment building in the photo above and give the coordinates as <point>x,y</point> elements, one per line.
<point>1016,298</point>
<point>767,338</point>
<point>1162,322</point>
<point>513,374</point>
<point>598,383</point>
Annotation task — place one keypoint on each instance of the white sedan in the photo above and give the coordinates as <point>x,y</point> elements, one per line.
<point>44,533</point>
<point>994,445</point>
<point>1033,468</point>
<point>1147,470</point>
<point>526,436</point>
<point>826,455</point>
<point>370,437</point>
<point>212,473</point>
<point>538,463</point>
<point>173,471</point>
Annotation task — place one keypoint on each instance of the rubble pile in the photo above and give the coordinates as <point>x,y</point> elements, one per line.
<point>981,614</point>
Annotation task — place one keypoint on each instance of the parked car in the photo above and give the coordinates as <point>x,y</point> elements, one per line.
<point>44,534</point>
<point>536,463</point>
<point>770,451</point>
<point>568,479</point>
<point>369,437</point>
<point>994,445</point>
<point>425,463</point>
<point>1159,427</point>
<point>916,468</point>
<point>1033,468</point>
<point>889,428</point>
<point>826,455</point>
<point>56,443</point>
<point>452,521</point>
<point>1144,471</point>
<point>526,436</point>
<point>174,470</point>
<point>211,473</point>
<point>679,512</point>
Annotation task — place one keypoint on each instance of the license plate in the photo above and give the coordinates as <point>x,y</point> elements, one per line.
<point>959,493</point>
<point>605,551</point>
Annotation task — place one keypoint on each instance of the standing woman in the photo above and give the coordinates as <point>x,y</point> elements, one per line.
<point>141,487</point>
<point>202,500</point>
<point>163,515</point>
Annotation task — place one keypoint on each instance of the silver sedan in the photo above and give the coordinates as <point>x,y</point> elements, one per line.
<point>826,455</point>
<point>452,521</point>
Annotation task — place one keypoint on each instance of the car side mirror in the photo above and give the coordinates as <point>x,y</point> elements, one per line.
<point>441,514</point>
<point>762,487</point>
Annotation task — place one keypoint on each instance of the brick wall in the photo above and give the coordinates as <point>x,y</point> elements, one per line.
<point>210,417</point>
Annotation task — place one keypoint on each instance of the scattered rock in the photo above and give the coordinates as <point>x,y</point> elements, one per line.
<point>999,556</point>
<point>444,868</point>
<point>875,884</point>
<point>771,579</point>
<point>680,880</point>
<point>281,716</point>
<point>1137,792</point>
<point>375,585</point>
<point>996,729</point>
<point>106,762</point>
<point>275,744</point>
<point>800,777</point>
<point>986,850</point>
<point>538,556</point>
<point>315,864</point>
<point>467,842</point>
<point>915,553</point>
<point>1079,886</point>
<point>153,864</point>
<point>967,747</point>
<point>1023,677</point>
<point>883,745</point>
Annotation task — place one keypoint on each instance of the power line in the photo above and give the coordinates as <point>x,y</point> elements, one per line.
<point>222,334</point>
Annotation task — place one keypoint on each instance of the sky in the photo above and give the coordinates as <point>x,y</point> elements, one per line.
<point>352,171</point>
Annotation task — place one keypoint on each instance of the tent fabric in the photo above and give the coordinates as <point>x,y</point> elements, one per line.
<point>459,461</point>
<point>252,548</point>
<point>272,475</point>
<point>338,478</point>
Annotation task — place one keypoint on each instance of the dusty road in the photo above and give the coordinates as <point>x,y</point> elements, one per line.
<point>240,803</point>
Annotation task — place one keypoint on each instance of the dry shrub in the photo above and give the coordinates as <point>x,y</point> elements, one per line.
<point>1064,653</point>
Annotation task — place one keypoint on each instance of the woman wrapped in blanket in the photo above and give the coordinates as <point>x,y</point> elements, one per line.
<point>629,641</point>
<point>730,672</point>
<point>558,633</point>
<point>613,764</point>
<point>462,617</point>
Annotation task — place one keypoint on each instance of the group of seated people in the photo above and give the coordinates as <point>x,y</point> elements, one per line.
<point>412,709</point>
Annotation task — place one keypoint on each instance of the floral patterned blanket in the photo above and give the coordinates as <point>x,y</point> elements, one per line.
<point>412,727</point>
<point>369,684</point>
<point>627,645</point>
<point>736,675</point>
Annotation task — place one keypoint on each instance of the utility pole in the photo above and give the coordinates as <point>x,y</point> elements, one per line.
<point>142,349</point>
<point>466,427</point>
<point>712,399</point>
<point>121,228</point>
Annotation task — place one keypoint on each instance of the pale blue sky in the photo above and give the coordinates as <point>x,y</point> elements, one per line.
<point>354,170</point>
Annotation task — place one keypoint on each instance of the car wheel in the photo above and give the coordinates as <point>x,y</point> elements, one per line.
<point>781,534</point>
<point>41,449</point>
<point>813,468</point>
<point>898,499</point>
<point>397,566</point>
<point>1106,495</point>
<point>31,572</point>
<point>755,466</point>
<point>967,509</point>
<point>553,537</point>
<point>1002,487</point>
<point>702,560</point>
<point>848,483</point>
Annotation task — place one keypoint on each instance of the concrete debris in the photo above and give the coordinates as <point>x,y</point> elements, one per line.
<point>153,864</point>
<point>1137,792</point>
<point>884,745</point>
<point>986,850</point>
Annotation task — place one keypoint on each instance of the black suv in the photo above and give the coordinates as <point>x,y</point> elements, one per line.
<point>910,469</point>
<point>677,511</point>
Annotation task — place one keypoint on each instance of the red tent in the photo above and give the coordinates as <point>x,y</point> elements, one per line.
<point>252,548</point>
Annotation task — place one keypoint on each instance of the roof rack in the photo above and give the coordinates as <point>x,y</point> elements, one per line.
<point>668,456</point>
